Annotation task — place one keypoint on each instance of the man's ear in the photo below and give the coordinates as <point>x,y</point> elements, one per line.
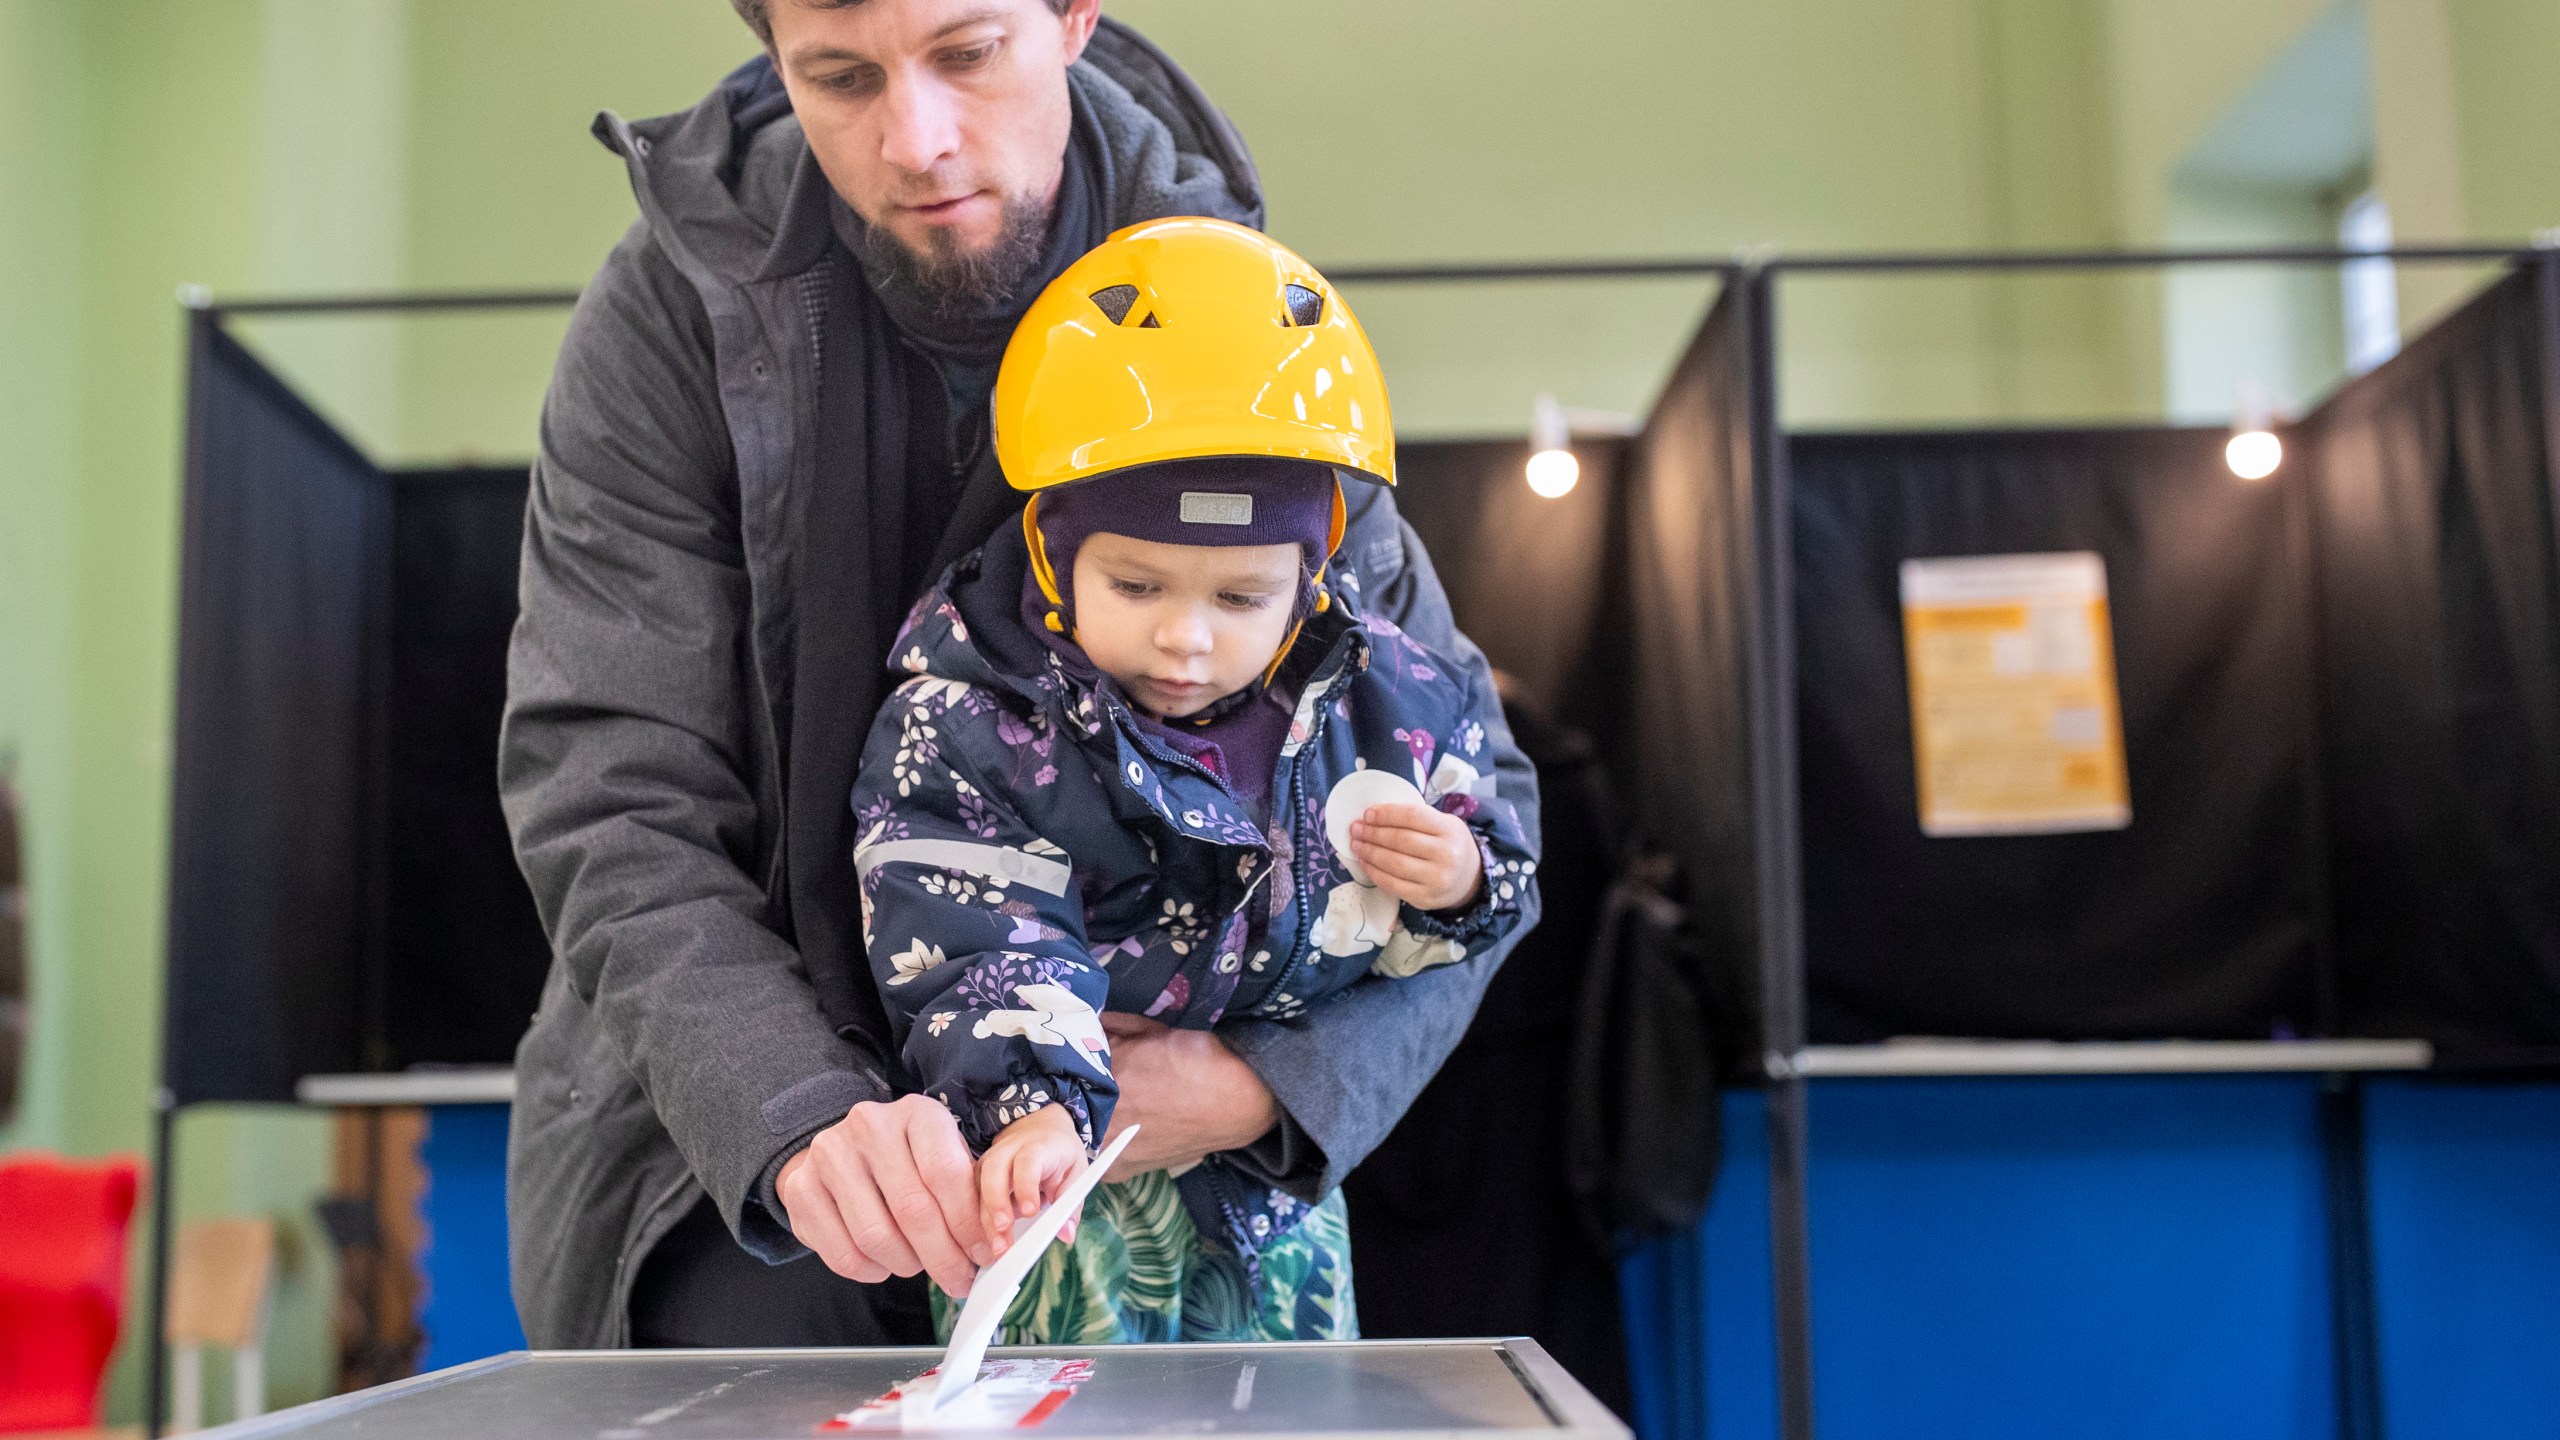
<point>1079,19</point>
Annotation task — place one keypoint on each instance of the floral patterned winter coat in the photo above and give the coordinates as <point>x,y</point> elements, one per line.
<point>1029,855</point>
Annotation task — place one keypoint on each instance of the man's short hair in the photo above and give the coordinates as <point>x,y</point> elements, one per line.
<point>759,13</point>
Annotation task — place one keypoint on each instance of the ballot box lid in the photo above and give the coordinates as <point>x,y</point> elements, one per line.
<point>1363,1388</point>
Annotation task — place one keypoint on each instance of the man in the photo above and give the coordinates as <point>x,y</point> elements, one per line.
<point>765,436</point>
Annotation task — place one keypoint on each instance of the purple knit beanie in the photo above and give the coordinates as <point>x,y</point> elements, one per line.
<point>1221,501</point>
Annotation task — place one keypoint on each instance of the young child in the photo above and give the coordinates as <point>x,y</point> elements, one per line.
<point>1150,761</point>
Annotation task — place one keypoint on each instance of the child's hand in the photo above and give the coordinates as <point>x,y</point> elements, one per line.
<point>1424,857</point>
<point>1031,1160</point>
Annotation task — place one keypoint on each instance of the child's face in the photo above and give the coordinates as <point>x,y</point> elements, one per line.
<point>1182,627</point>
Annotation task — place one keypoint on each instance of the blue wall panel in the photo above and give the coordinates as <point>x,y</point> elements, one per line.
<point>2092,1257</point>
<point>2466,1239</point>
<point>468,1312</point>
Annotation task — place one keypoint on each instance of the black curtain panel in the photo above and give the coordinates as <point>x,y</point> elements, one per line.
<point>465,951</point>
<point>2439,603</point>
<point>1667,679</point>
<point>2200,919</point>
<point>271,867</point>
<point>343,896</point>
<point>1524,574</point>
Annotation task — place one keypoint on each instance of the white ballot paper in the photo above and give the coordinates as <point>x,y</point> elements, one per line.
<point>945,1404</point>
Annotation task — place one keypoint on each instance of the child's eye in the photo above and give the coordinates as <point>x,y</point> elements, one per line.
<point>1238,600</point>
<point>1134,589</point>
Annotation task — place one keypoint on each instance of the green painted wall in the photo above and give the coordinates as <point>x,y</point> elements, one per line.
<point>149,144</point>
<point>308,145</point>
<point>2507,108</point>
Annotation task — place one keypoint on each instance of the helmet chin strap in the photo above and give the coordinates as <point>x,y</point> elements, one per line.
<point>1043,572</point>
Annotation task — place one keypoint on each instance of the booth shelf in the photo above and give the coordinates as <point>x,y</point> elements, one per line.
<point>2099,1057</point>
<point>460,1085</point>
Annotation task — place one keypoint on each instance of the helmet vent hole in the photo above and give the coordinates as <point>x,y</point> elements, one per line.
<point>1305,306</point>
<point>1150,322</point>
<point>1116,300</point>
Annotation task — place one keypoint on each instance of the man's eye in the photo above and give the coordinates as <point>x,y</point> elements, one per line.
<point>850,82</point>
<point>971,58</point>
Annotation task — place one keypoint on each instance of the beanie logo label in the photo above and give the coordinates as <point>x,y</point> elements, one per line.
<point>1204,507</point>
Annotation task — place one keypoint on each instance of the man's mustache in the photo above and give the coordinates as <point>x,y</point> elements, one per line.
<point>933,187</point>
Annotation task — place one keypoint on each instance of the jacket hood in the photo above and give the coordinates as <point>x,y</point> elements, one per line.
<point>733,193</point>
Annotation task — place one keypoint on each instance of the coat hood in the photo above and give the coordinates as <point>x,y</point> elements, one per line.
<point>732,192</point>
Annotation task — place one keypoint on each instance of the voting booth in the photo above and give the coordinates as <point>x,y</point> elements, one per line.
<point>2065,746</point>
<point>2034,752</point>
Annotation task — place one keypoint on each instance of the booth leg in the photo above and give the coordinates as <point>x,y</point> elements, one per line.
<point>1790,1257</point>
<point>164,1150</point>
<point>2355,1339</point>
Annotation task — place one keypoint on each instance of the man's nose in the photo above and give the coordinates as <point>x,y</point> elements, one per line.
<point>922,125</point>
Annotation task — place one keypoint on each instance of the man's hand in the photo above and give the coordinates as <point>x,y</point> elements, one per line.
<point>1424,857</point>
<point>1030,1161</point>
<point>889,1190</point>
<point>1189,1090</point>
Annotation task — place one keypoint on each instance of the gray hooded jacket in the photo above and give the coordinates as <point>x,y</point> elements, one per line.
<point>681,1047</point>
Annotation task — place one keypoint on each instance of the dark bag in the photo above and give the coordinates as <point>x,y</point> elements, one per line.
<point>1643,1127</point>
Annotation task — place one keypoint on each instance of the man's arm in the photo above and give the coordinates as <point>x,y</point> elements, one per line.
<point>1345,1073</point>
<point>625,763</point>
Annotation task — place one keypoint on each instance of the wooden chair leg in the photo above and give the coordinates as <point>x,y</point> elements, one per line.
<point>186,1399</point>
<point>249,1380</point>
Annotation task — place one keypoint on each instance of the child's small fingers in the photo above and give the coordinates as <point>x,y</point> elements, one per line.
<point>1026,1182</point>
<point>1399,865</point>
<point>1405,842</point>
<point>1403,817</point>
<point>994,1183</point>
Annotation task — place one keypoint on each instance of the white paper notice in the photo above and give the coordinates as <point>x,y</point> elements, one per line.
<point>2014,723</point>
<point>1009,1395</point>
<point>943,1405</point>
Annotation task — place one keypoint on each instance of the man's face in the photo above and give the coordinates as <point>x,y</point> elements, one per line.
<point>941,122</point>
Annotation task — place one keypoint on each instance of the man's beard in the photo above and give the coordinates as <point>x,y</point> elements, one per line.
<point>951,283</point>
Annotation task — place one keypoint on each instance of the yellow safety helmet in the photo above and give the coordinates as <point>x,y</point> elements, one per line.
<point>1184,338</point>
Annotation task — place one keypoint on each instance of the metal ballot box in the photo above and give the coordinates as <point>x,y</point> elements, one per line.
<point>1368,1388</point>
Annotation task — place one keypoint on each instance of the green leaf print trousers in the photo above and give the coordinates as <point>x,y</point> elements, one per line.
<point>1138,1270</point>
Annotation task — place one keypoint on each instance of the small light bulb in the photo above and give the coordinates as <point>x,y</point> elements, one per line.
<point>2253,454</point>
<point>1552,473</point>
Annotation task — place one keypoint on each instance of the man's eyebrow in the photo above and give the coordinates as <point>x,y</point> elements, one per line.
<point>824,55</point>
<point>830,54</point>
<point>975,17</point>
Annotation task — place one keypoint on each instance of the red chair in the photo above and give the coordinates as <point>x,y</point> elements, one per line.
<point>62,1234</point>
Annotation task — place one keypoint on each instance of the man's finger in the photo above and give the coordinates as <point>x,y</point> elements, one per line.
<point>944,1166</point>
<point>864,1213</point>
<point>921,1222</point>
<point>815,1223</point>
